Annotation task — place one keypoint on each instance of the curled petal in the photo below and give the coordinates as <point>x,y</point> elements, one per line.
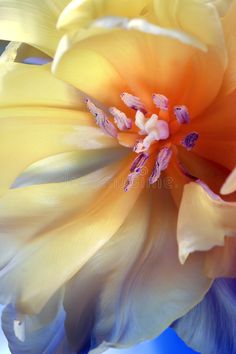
<point>204,220</point>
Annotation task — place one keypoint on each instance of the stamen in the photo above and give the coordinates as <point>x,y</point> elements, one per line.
<point>121,120</point>
<point>160,101</point>
<point>101,119</point>
<point>155,129</point>
<point>139,162</point>
<point>182,114</point>
<point>190,140</point>
<point>130,181</point>
<point>135,170</point>
<point>140,121</point>
<point>162,162</point>
<point>144,145</point>
<point>133,102</point>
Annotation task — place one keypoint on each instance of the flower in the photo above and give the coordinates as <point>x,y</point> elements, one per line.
<point>111,214</point>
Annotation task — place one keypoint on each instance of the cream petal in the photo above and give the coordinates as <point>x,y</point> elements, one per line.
<point>204,220</point>
<point>32,22</point>
<point>53,252</point>
<point>121,290</point>
<point>79,14</point>
<point>221,261</point>
<point>230,184</point>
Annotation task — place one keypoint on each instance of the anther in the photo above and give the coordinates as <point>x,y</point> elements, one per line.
<point>162,162</point>
<point>101,119</point>
<point>182,114</point>
<point>133,102</point>
<point>190,140</point>
<point>120,118</point>
<point>160,101</point>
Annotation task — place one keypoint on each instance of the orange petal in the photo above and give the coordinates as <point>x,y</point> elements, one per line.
<point>101,64</point>
<point>217,132</point>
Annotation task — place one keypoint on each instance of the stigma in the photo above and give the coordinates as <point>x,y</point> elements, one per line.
<point>148,133</point>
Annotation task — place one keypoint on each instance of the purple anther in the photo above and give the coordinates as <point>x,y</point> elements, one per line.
<point>101,119</point>
<point>160,101</point>
<point>162,162</point>
<point>133,102</point>
<point>182,114</point>
<point>130,180</point>
<point>120,118</point>
<point>139,162</point>
<point>190,140</point>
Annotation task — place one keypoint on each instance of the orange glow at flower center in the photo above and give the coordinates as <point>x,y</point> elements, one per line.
<point>145,133</point>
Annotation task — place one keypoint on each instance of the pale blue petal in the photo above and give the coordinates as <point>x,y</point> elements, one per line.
<point>210,327</point>
<point>47,339</point>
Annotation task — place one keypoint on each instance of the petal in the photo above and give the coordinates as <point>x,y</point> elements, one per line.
<point>102,64</point>
<point>217,132</point>
<point>221,261</point>
<point>229,26</point>
<point>79,14</point>
<point>204,220</point>
<point>32,22</point>
<point>49,121</point>
<point>67,166</point>
<point>185,14</point>
<point>230,184</point>
<point>210,326</point>
<point>39,337</point>
<point>140,283</point>
<point>65,241</point>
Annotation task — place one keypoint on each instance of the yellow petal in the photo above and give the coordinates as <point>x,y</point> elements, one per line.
<point>230,184</point>
<point>101,64</point>
<point>40,117</point>
<point>149,280</point>
<point>32,22</point>
<point>55,251</point>
<point>50,204</point>
<point>79,14</point>
<point>204,220</point>
<point>187,15</point>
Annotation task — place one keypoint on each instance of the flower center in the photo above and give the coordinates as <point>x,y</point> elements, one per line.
<point>145,133</point>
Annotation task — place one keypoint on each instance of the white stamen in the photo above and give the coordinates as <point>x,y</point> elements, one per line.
<point>121,120</point>
<point>155,129</point>
<point>133,102</point>
<point>140,121</point>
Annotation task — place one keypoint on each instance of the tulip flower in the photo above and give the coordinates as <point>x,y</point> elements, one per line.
<point>117,191</point>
